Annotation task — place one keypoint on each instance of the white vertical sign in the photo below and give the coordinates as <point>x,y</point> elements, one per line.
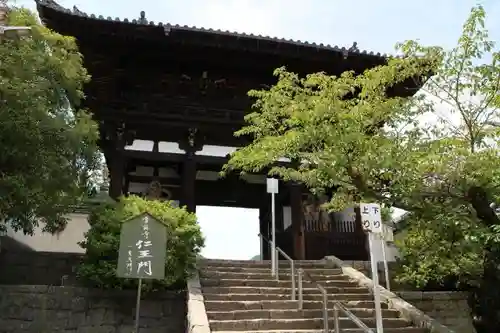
<point>272,185</point>
<point>371,221</point>
<point>272,188</point>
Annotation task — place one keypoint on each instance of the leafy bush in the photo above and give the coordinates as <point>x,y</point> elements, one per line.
<point>101,244</point>
<point>442,253</point>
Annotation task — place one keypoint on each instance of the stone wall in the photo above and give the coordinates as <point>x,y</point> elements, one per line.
<point>365,268</point>
<point>32,299</point>
<point>449,308</point>
<point>37,268</point>
<point>44,309</point>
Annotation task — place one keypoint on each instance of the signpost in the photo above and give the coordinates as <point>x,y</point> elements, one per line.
<point>385,237</point>
<point>142,252</point>
<point>272,188</point>
<point>371,220</point>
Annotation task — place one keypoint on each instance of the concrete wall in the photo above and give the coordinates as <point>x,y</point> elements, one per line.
<point>44,309</point>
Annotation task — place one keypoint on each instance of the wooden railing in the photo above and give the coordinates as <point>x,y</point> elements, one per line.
<point>318,225</point>
<point>343,239</point>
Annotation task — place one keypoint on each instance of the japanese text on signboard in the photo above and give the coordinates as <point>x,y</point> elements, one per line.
<point>142,250</point>
<point>371,218</point>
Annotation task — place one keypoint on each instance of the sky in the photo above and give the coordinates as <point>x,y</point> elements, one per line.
<point>374,25</point>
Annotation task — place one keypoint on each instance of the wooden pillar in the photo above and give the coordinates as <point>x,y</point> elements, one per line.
<point>189,182</point>
<point>116,165</point>
<point>190,145</point>
<point>116,176</point>
<point>297,221</point>
<point>126,185</point>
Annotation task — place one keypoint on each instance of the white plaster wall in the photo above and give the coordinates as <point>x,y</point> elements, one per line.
<point>391,251</point>
<point>66,241</point>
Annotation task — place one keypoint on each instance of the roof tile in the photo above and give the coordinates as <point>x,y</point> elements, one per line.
<point>169,27</point>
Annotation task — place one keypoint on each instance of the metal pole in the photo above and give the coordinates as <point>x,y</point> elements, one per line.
<point>138,306</point>
<point>274,258</point>
<point>292,264</point>
<point>325,311</point>
<point>376,289</point>
<point>336,322</point>
<point>277,255</point>
<point>386,266</point>
<point>301,298</point>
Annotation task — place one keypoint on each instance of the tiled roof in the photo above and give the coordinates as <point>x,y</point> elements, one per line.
<point>170,27</point>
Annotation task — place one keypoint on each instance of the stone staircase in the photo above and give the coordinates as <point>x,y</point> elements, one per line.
<point>242,296</point>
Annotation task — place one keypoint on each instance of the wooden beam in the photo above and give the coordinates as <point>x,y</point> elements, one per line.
<point>230,193</point>
<point>223,192</point>
<point>150,128</point>
<point>132,164</point>
<point>166,114</point>
<point>153,157</point>
<point>147,179</point>
<point>139,155</point>
<point>205,163</point>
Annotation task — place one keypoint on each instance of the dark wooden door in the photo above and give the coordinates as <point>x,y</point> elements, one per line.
<point>343,239</point>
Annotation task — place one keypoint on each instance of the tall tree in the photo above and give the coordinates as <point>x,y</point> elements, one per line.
<point>353,134</point>
<point>48,145</point>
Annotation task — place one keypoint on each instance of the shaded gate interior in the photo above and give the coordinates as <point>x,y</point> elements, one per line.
<point>344,239</point>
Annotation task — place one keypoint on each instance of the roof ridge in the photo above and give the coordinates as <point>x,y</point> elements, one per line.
<point>168,27</point>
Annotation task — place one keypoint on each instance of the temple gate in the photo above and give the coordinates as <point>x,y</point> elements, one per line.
<point>164,83</point>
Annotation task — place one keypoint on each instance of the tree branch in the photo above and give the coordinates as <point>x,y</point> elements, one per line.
<point>479,200</point>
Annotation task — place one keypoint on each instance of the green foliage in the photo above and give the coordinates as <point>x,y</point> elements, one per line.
<point>101,244</point>
<point>434,252</point>
<point>466,87</point>
<point>346,132</point>
<point>48,146</point>
<point>386,214</point>
<point>434,153</point>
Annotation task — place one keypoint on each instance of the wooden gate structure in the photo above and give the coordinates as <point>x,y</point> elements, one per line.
<point>187,85</point>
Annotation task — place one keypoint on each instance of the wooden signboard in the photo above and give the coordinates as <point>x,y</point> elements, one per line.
<point>142,252</point>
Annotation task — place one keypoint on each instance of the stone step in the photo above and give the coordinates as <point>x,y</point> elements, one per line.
<point>289,314</point>
<point>297,323</point>
<point>214,282</point>
<point>268,269</point>
<point>268,276</point>
<point>342,330</point>
<point>214,305</point>
<point>281,290</point>
<point>264,263</point>
<point>284,297</point>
